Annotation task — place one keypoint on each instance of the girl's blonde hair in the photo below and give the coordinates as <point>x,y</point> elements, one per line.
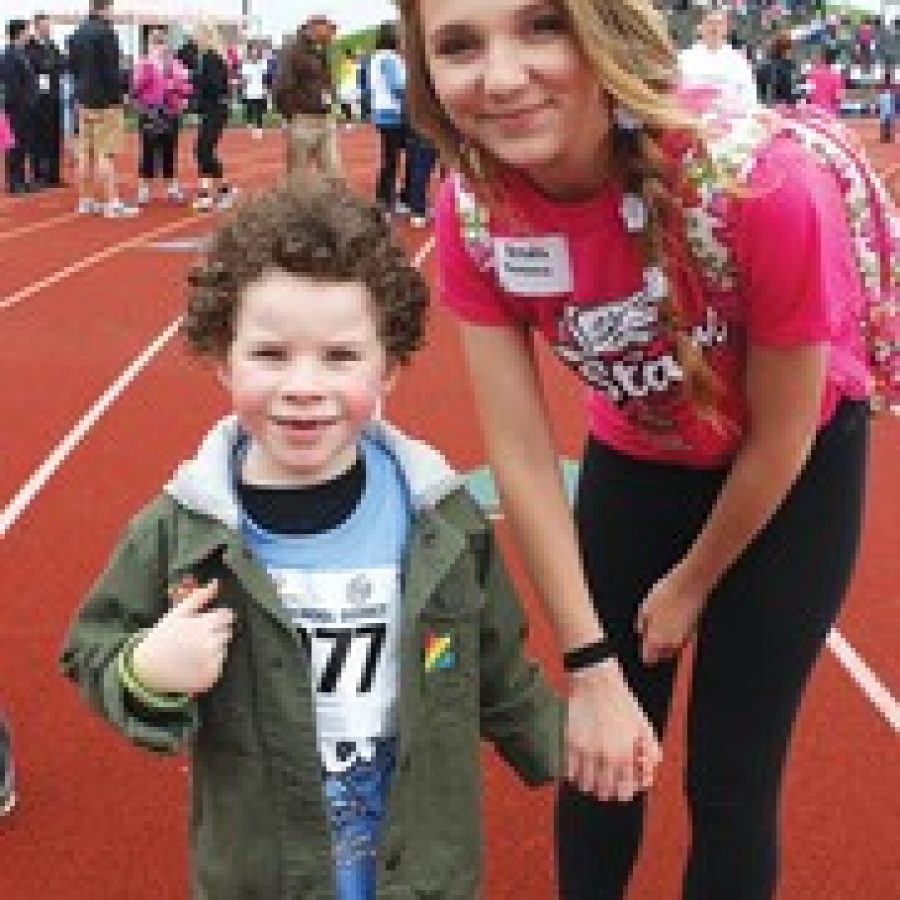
<point>627,44</point>
<point>208,36</point>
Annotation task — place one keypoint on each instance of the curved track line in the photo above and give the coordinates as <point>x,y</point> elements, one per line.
<point>112,250</point>
<point>37,226</point>
<point>866,680</point>
<point>19,503</point>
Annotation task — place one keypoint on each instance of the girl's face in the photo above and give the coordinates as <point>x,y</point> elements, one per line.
<point>157,44</point>
<point>511,78</point>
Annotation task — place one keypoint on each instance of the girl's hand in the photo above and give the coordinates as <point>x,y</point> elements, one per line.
<point>184,652</point>
<point>611,750</point>
<point>668,618</point>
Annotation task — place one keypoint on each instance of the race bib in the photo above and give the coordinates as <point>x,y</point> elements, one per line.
<point>535,266</point>
<point>349,623</point>
<point>44,83</point>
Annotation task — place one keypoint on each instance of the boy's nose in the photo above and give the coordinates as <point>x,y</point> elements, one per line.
<point>305,378</point>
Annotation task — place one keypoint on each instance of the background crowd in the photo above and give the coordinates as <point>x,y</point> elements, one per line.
<point>82,96</point>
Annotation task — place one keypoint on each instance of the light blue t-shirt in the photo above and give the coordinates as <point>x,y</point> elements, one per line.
<point>342,590</point>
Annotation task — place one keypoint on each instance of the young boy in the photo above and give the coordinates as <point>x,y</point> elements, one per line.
<point>314,606</point>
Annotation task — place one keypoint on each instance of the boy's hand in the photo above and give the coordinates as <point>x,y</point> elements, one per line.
<point>184,652</point>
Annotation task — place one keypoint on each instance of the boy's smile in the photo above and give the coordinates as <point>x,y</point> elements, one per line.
<point>306,371</point>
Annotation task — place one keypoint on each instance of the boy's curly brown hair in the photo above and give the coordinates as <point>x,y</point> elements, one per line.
<point>317,229</point>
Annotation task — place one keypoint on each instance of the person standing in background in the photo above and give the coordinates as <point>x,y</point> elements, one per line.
<point>160,86</point>
<point>887,108</point>
<point>711,62</point>
<point>302,95</point>
<point>387,81</point>
<point>778,75</point>
<point>825,83</point>
<point>254,93</point>
<point>95,60</point>
<point>20,103</point>
<point>48,63</point>
<point>212,89</point>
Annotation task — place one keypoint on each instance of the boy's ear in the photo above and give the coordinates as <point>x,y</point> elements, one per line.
<point>220,367</point>
<point>391,375</point>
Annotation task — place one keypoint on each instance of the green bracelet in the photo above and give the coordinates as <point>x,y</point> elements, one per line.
<point>148,697</point>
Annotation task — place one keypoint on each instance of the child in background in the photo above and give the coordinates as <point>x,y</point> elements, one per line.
<point>315,606</point>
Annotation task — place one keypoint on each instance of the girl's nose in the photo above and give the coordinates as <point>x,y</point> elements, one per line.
<point>505,70</point>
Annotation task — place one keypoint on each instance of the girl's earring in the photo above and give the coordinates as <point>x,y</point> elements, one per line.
<point>472,158</point>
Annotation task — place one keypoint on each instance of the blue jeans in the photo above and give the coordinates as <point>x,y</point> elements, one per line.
<point>421,158</point>
<point>355,800</point>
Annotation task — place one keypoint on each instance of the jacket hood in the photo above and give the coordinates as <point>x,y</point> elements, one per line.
<point>205,484</point>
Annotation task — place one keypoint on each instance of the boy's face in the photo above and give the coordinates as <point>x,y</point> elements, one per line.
<point>306,371</point>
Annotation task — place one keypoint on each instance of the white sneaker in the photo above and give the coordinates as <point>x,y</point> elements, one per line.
<point>88,207</point>
<point>401,208</point>
<point>175,194</point>
<point>418,221</point>
<point>116,209</point>
<point>257,134</point>
<point>226,199</point>
<point>143,194</point>
<point>202,203</point>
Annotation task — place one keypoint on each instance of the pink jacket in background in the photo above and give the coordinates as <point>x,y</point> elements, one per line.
<point>165,84</point>
<point>825,87</point>
<point>7,138</point>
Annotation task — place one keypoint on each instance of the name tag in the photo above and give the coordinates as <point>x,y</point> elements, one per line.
<point>534,267</point>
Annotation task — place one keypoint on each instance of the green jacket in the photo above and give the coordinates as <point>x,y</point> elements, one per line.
<point>258,826</point>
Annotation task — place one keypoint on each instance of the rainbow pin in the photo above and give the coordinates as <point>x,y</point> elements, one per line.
<point>439,652</point>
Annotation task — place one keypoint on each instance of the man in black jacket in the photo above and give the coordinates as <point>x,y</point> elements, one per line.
<point>20,102</point>
<point>48,63</point>
<point>94,58</point>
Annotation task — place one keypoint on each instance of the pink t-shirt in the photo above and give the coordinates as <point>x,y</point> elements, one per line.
<point>826,86</point>
<point>799,286</point>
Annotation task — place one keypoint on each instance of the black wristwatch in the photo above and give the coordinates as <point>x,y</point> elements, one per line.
<point>589,655</point>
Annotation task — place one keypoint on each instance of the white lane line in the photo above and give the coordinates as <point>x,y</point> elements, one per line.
<point>88,261</point>
<point>14,509</point>
<point>112,250</point>
<point>37,226</point>
<point>866,680</point>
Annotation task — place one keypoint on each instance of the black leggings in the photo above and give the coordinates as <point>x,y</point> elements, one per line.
<point>209,131</point>
<point>159,151</point>
<point>254,110</point>
<point>393,140</point>
<point>757,641</point>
